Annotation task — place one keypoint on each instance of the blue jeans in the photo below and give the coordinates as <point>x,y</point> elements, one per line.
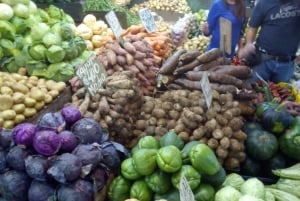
<point>273,71</point>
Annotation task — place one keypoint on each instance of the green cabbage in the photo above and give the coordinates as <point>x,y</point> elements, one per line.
<point>228,193</point>
<point>55,54</point>
<point>21,10</point>
<point>39,30</point>
<point>253,187</point>
<point>51,38</point>
<point>235,180</point>
<point>38,52</point>
<point>19,24</point>
<point>7,30</point>
<point>6,12</point>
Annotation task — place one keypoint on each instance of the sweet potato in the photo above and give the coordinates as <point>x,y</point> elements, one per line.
<point>129,47</point>
<point>140,66</point>
<point>129,59</point>
<point>117,48</point>
<point>121,60</point>
<point>209,55</point>
<point>188,56</point>
<point>171,63</point>
<point>140,46</point>
<point>111,57</point>
<point>139,55</point>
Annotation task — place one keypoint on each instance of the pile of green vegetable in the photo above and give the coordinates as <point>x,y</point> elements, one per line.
<point>40,40</point>
<point>155,169</point>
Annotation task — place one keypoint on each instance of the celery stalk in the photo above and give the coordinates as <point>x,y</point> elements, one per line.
<point>292,172</point>
<point>282,195</point>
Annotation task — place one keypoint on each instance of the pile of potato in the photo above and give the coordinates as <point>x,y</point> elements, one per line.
<point>179,6</point>
<point>134,54</point>
<point>185,112</point>
<point>198,42</point>
<point>95,32</point>
<point>115,106</point>
<point>21,97</point>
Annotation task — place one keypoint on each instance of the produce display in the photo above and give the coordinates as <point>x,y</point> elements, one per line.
<point>134,54</point>
<point>40,40</point>
<point>179,6</point>
<point>21,97</point>
<point>161,42</point>
<point>95,32</point>
<point>199,42</point>
<point>63,157</point>
<point>154,170</point>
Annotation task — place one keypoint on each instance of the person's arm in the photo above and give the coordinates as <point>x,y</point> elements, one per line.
<point>251,35</point>
<point>249,48</point>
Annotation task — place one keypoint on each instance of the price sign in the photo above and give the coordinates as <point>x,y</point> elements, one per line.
<point>206,89</point>
<point>148,20</point>
<point>185,191</point>
<point>225,35</point>
<point>92,74</point>
<point>114,23</point>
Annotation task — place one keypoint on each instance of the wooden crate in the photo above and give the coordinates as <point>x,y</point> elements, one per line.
<point>56,105</point>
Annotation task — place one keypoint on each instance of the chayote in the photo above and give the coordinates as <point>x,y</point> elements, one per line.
<point>169,159</point>
<point>144,161</point>
<point>192,176</point>
<point>119,189</point>
<point>140,191</point>
<point>148,142</point>
<point>158,181</point>
<point>128,170</point>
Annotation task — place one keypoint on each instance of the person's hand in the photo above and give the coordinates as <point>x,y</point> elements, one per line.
<point>204,28</point>
<point>246,51</point>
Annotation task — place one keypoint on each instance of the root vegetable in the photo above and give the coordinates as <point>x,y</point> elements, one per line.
<point>189,56</point>
<point>221,152</point>
<point>121,60</point>
<point>171,124</point>
<point>191,116</point>
<point>211,125</point>
<point>83,107</point>
<point>213,63</point>
<point>184,136</point>
<point>213,143</point>
<point>152,121</point>
<point>129,47</point>
<point>236,123</point>
<point>171,63</point>
<point>210,114</point>
<point>240,156</point>
<point>241,72</point>
<point>160,131</point>
<point>188,83</point>
<point>174,114</point>
<point>188,123</point>
<point>103,106</point>
<point>218,134</point>
<point>111,57</point>
<point>235,145</point>
<point>225,142</point>
<point>239,135</point>
<point>222,121</point>
<point>177,107</point>
<point>231,163</point>
<point>158,113</point>
<point>210,55</point>
<point>224,88</point>
<point>186,67</point>
<point>150,130</point>
<point>227,131</point>
<point>199,132</point>
<point>180,127</point>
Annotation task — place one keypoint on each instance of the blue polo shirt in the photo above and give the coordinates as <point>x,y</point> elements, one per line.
<point>217,10</point>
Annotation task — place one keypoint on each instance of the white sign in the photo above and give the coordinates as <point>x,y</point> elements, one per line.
<point>185,191</point>
<point>206,89</point>
<point>114,23</point>
<point>148,20</point>
<point>225,35</point>
<point>92,74</point>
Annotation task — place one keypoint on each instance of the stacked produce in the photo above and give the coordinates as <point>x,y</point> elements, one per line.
<point>155,168</point>
<point>199,42</point>
<point>21,97</point>
<point>185,68</point>
<point>163,26</point>
<point>286,188</point>
<point>95,32</point>
<point>42,41</point>
<point>115,106</point>
<point>179,6</point>
<point>201,16</point>
<point>63,157</point>
<point>159,41</point>
<point>186,113</point>
<point>182,28</point>
<point>134,54</point>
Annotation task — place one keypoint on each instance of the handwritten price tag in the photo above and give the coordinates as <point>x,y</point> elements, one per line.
<point>92,74</point>
<point>206,89</point>
<point>148,20</point>
<point>114,23</point>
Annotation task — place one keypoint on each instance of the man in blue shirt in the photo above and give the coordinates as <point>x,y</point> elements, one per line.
<point>232,10</point>
<point>277,23</point>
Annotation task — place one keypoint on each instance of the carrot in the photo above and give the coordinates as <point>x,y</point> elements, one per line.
<point>171,63</point>
<point>186,67</point>
<point>210,55</point>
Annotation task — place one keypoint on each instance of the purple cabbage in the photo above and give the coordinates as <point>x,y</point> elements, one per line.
<point>14,185</point>
<point>6,140</point>
<point>3,162</point>
<point>111,157</point>
<point>90,156</point>
<point>52,121</point>
<point>68,141</point>
<point>36,167</point>
<point>78,191</point>
<point>66,168</point>
<point>40,191</point>
<point>46,142</point>
<point>99,176</point>
<point>16,157</point>
<point>24,133</point>
<point>71,114</point>
<point>87,130</point>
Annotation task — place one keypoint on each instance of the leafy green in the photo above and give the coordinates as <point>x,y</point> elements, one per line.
<point>55,54</point>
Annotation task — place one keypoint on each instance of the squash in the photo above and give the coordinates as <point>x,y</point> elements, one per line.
<point>251,167</point>
<point>261,145</point>
<point>171,138</point>
<point>289,142</point>
<point>276,119</point>
<point>249,127</point>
